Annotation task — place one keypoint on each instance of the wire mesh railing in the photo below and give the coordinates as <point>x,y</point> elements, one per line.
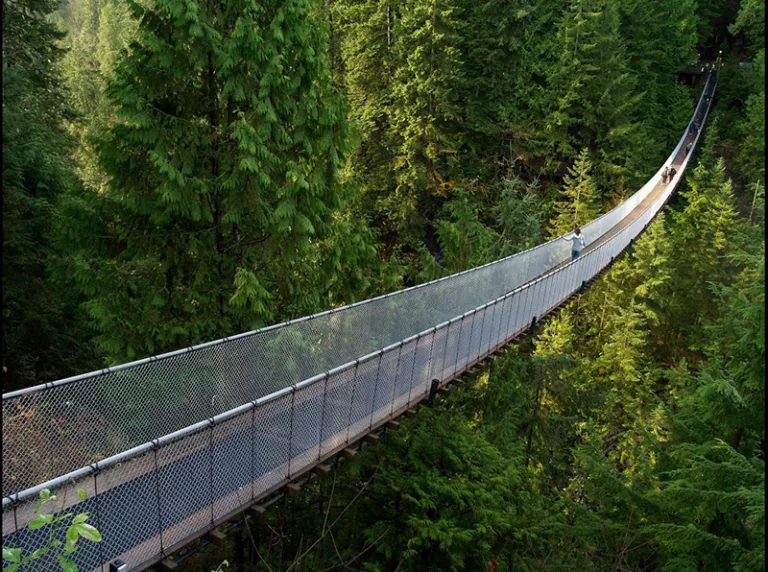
<point>285,416</point>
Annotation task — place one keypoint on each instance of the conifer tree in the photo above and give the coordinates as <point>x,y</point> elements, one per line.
<point>425,109</point>
<point>367,32</point>
<point>751,151</point>
<point>593,98</point>
<point>517,215</point>
<point>702,233</point>
<point>581,197</point>
<point>642,278</point>
<point>98,31</point>
<point>223,206</point>
<point>660,39</point>
<point>42,329</point>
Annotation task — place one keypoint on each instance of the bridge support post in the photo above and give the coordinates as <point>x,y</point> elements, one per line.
<point>433,392</point>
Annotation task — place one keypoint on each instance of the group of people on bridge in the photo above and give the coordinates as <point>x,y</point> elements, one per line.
<point>668,173</point>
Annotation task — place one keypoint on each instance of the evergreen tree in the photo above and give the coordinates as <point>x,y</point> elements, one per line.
<point>367,31</point>
<point>660,39</point>
<point>518,215</point>
<point>750,21</point>
<point>41,326</point>
<point>223,208</point>
<point>702,231</point>
<point>449,499</point>
<point>751,150</point>
<point>581,197</point>
<point>592,92</point>
<point>97,32</point>
<point>425,110</point>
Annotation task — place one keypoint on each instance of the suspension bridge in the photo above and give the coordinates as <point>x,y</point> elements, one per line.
<point>168,448</point>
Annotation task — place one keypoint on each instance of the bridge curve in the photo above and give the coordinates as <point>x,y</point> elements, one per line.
<point>214,428</point>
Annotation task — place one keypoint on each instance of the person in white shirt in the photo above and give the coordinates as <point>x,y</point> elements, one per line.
<point>578,243</point>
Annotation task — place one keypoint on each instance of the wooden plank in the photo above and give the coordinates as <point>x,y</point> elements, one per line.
<point>217,537</point>
<point>324,469</point>
<point>293,488</point>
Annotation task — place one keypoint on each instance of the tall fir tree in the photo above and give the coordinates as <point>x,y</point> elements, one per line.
<point>367,32</point>
<point>43,337</point>
<point>580,201</point>
<point>223,208</point>
<point>97,32</point>
<point>592,92</point>
<point>426,110</point>
<point>702,232</point>
<point>660,39</point>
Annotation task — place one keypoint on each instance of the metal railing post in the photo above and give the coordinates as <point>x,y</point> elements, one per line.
<point>96,471</point>
<point>375,390</point>
<point>155,446</point>
<point>394,383</point>
<point>290,431</point>
<point>471,334</point>
<point>252,474</point>
<point>210,457</point>
<point>413,368</point>
<point>352,400</point>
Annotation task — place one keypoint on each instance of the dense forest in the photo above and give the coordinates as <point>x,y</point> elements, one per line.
<point>176,171</point>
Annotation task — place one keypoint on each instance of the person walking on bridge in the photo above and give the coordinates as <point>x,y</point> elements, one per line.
<point>577,240</point>
<point>665,174</point>
<point>672,173</point>
<point>688,148</point>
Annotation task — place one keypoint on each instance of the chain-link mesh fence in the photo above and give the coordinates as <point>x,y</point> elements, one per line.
<point>154,497</point>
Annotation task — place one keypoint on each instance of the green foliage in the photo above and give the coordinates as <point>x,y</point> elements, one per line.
<point>581,198</point>
<point>97,33</point>
<point>593,93</point>
<point>54,549</point>
<point>223,208</point>
<point>702,233</point>
<point>460,498</point>
<point>42,329</point>
<point>751,156</point>
<point>750,21</point>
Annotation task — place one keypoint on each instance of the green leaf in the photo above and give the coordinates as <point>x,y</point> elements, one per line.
<point>89,532</point>
<point>12,554</point>
<point>63,517</point>
<point>83,495</point>
<point>40,521</point>
<point>45,495</point>
<point>66,564</point>
<point>82,517</point>
<point>11,567</point>
<point>72,536</point>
